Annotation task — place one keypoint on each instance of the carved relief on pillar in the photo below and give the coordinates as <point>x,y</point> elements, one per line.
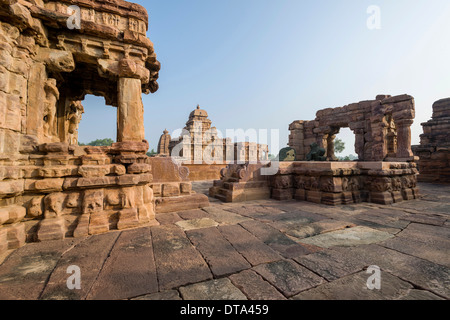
<point>73,119</point>
<point>54,205</point>
<point>50,109</point>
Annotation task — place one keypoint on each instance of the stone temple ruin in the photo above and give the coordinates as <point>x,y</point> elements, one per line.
<point>434,148</point>
<point>50,188</point>
<point>201,149</point>
<point>385,172</point>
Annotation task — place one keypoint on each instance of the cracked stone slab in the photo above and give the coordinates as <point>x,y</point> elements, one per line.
<point>288,277</point>
<point>333,263</point>
<point>255,287</point>
<point>221,289</point>
<point>278,241</point>
<point>437,252</point>
<point>354,287</point>
<point>169,295</point>
<point>177,261</point>
<point>220,255</point>
<point>348,237</point>
<point>89,256</point>
<point>422,273</point>
<point>194,224</point>
<point>254,250</point>
<point>224,217</point>
<point>24,273</point>
<point>130,269</point>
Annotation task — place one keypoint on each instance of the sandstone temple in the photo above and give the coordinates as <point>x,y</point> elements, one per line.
<point>202,149</point>
<point>50,188</point>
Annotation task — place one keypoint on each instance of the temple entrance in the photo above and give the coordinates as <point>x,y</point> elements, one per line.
<point>344,145</point>
<point>98,121</point>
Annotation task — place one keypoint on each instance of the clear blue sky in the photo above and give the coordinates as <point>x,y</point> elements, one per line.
<point>264,63</point>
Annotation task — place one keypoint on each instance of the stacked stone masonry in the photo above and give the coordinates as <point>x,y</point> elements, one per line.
<point>385,173</point>
<point>382,129</point>
<point>50,188</point>
<point>434,149</point>
<point>330,183</point>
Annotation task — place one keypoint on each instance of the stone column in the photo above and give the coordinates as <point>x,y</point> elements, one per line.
<point>130,113</point>
<point>404,138</point>
<point>359,143</point>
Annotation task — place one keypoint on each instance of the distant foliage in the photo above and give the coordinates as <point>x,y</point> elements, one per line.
<point>339,146</point>
<point>99,143</point>
<point>152,153</point>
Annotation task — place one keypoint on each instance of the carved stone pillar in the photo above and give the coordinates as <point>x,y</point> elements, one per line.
<point>130,114</point>
<point>331,156</point>
<point>404,138</point>
<point>359,143</point>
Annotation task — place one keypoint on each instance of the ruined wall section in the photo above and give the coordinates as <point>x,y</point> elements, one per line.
<point>49,187</point>
<point>434,149</point>
<point>381,128</point>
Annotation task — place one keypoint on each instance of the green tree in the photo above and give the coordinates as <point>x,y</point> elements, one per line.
<point>152,153</point>
<point>339,146</point>
<point>99,143</point>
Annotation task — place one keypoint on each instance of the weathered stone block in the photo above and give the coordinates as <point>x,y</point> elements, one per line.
<point>98,223</point>
<point>16,236</point>
<point>52,229</point>
<point>12,214</point>
<point>128,218</point>
<point>170,190</point>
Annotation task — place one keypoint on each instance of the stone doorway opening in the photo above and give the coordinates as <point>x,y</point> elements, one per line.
<point>347,137</point>
<point>98,122</point>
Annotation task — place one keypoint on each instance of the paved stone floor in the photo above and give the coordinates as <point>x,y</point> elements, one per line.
<point>258,250</point>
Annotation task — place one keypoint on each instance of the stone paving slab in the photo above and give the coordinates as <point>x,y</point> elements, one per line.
<point>438,252</point>
<point>169,295</point>
<point>220,255</point>
<point>333,263</point>
<point>195,224</point>
<point>277,240</point>
<point>193,214</point>
<point>24,274</point>
<point>255,287</point>
<point>130,269</point>
<point>348,237</point>
<point>252,254</point>
<point>224,217</point>
<point>319,227</point>
<point>288,277</point>
<point>89,256</point>
<point>254,250</point>
<point>221,289</point>
<point>422,273</point>
<point>177,261</point>
<point>354,287</point>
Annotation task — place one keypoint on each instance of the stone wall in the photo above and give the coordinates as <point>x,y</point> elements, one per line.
<point>50,188</point>
<point>330,183</point>
<point>381,127</point>
<point>336,183</point>
<point>434,149</point>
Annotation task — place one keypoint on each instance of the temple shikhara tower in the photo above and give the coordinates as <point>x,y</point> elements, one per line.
<point>52,54</point>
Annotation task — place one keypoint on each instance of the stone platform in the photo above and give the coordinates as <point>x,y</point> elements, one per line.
<point>260,250</point>
<point>331,183</point>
